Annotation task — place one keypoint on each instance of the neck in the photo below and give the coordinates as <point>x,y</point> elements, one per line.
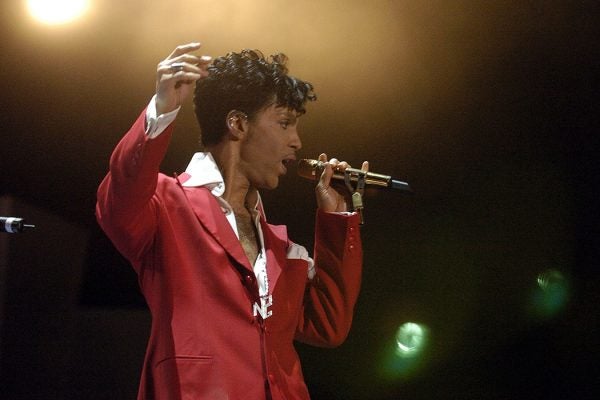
<point>239,193</point>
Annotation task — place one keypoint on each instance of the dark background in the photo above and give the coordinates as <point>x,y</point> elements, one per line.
<point>488,109</point>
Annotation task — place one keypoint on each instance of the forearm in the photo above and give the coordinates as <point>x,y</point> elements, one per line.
<point>126,208</point>
<point>333,292</point>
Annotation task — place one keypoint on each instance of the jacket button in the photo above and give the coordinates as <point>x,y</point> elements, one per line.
<point>248,280</point>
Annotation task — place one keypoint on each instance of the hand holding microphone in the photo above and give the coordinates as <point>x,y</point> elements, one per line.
<point>328,198</point>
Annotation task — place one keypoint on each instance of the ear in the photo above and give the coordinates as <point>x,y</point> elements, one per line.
<point>237,123</point>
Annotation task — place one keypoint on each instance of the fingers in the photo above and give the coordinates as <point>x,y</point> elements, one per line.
<point>327,173</point>
<point>184,48</point>
<point>188,62</point>
<point>182,72</point>
<point>176,75</point>
<point>183,66</point>
<point>334,196</point>
<point>341,165</point>
<point>365,166</point>
<point>329,166</point>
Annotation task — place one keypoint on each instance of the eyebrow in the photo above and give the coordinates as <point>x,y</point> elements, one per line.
<point>288,114</point>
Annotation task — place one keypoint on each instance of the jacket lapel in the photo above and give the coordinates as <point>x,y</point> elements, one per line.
<point>211,216</point>
<point>276,243</point>
<point>209,213</point>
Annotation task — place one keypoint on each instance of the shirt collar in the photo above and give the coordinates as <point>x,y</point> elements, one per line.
<point>203,171</point>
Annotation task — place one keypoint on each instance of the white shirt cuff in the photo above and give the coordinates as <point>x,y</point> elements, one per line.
<point>155,125</point>
<point>299,252</point>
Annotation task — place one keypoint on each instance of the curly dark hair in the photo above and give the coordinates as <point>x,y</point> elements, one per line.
<point>246,82</point>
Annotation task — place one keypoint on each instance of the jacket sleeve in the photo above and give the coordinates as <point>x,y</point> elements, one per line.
<point>127,205</point>
<point>331,295</point>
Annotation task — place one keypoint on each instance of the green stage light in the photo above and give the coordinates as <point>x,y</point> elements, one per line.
<point>407,354</point>
<point>551,294</point>
<point>410,340</point>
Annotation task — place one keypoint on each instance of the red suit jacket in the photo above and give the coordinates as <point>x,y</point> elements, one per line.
<point>205,342</point>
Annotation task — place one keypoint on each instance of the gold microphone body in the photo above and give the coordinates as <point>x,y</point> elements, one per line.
<point>312,169</point>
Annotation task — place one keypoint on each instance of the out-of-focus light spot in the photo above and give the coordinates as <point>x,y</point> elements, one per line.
<point>55,12</point>
<point>405,358</point>
<point>551,294</point>
<point>410,339</point>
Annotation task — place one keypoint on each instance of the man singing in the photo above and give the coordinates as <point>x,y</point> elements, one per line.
<point>228,292</point>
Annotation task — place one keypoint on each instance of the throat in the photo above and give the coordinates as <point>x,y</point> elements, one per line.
<point>248,236</point>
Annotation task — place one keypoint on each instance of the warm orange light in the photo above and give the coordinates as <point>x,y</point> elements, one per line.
<point>55,12</point>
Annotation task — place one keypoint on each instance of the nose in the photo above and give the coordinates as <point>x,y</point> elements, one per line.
<point>295,142</point>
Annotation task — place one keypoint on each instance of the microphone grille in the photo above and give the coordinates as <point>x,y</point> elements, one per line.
<point>309,168</point>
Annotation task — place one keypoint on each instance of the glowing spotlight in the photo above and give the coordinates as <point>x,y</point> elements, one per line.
<point>55,12</point>
<point>551,294</point>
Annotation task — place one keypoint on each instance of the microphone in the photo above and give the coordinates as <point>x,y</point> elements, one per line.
<point>312,169</point>
<point>13,225</point>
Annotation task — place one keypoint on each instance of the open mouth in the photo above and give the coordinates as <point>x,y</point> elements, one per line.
<point>287,162</point>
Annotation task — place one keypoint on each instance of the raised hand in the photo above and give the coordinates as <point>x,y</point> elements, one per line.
<point>176,75</point>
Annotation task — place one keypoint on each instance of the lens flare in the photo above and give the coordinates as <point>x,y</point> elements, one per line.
<point>410,340</point>
<point>551,294</point>
<point>408,353</point>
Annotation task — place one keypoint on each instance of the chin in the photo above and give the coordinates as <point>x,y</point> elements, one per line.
<point>270,185</point>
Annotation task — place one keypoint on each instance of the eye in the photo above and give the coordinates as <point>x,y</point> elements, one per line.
<point>284,124</point>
